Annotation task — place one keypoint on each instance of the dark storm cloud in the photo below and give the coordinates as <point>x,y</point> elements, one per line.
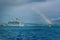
<point>18,2</point>
<point>24,11</point>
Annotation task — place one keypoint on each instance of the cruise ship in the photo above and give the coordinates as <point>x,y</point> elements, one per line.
<point>17,22</point>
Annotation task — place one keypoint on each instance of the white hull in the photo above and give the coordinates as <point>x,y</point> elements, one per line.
<point>15,24</point>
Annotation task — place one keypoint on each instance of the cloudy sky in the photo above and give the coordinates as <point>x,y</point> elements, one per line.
<point>29,11</point>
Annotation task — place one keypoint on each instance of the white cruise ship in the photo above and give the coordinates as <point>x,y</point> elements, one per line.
<point>17,22</point>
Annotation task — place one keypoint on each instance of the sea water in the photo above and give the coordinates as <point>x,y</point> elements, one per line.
<point>29,33</point>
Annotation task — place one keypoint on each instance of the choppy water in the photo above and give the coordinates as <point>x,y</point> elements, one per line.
<point>30,33</point>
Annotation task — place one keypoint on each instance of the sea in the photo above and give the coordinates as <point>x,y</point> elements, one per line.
<point>29,33</point>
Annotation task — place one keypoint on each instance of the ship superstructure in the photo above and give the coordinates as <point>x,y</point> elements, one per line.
<point>17,22</point>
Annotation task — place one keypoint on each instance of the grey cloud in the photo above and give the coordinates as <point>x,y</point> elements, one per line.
<point>18,2</point>
<point>50,9</point>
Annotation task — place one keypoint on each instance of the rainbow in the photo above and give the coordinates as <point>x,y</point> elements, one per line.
<point>43,15</point>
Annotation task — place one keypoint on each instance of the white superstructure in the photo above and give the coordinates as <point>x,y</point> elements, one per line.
<point>15,23</point>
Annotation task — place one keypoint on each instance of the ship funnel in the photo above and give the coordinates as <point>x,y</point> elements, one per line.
<point>17,20</point>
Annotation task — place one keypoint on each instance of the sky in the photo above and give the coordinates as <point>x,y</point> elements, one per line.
<point>29,11</point>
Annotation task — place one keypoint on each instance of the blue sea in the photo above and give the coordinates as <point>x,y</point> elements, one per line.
<point>30,33</point>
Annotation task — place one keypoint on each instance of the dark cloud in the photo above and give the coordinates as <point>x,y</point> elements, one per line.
<point>37,0</point>
<point>50,9</point>
<point>18,2</point>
